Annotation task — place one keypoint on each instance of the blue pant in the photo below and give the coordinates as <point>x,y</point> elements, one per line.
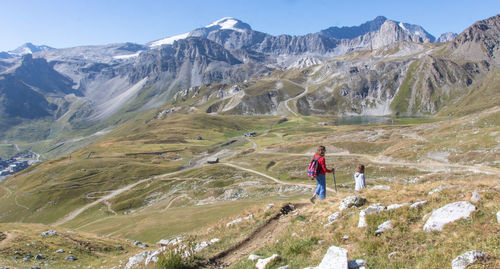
<point>321,186</point>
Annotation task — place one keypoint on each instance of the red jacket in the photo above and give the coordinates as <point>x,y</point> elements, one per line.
<point>322,165</point>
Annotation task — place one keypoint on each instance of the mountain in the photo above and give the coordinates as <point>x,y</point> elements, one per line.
<point>29,48</point>
<point>410,32</point>
<point>30,91</point>
<point>449,36</point>
<point>479,42</point>
<point>103,85</point>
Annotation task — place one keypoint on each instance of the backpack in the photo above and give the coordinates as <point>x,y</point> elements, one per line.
<point>312,170</point>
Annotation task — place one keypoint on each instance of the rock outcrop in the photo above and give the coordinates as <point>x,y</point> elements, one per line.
<point>466,259</point>
<point>351,201</point>
<point>448,214</point>
<point>262,263</point>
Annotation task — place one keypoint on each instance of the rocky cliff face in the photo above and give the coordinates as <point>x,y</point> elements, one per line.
<point>481,41</point>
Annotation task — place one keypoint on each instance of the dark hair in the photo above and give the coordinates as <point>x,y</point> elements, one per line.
<point>360,168</point>
<point>321,151</point>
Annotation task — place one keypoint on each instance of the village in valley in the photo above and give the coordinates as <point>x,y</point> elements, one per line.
<point>17,163</point>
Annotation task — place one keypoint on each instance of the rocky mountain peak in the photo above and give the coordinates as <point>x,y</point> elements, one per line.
<point>349,32</point>
<point>229,23</point>
<point>449,36</point>
<point>480,41</point>
<point>29,48</point>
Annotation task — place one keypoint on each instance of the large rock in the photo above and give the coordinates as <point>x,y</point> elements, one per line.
<point>466,259</point>
<point>333,217</point>
<point>351,201</point>
<point>254,257</point>
<point>418,204</point>
<point>386,226</point>
<point>498,216</point>
<point>447,214</point>
<point>362,219</point>
<point>136,260</point>
<point>373,209</point>
<point>335,258</point>
<point>396,206</point>
<point>262,263</point>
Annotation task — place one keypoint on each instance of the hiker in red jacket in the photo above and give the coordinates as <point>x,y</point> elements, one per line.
<point>321,178</point>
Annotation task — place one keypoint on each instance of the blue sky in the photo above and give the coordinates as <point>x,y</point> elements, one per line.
<point>66,23</point>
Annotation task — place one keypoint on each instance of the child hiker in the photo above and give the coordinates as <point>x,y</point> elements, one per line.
<point>320,164</point>
<point>359,178</point>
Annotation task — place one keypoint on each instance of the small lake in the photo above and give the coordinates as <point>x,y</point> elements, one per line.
<point>362,120</point>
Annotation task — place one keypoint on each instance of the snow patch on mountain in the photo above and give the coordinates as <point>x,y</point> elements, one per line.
<point>169,40</point>
<point>226,23</point>
<point>127,56</point>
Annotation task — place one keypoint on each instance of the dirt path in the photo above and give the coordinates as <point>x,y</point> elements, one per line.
<point>429,165</point>
<point>19,205</point>
<point>271,178</point>
<point>295,98</point>
<point>9,192</point>
<point>114,193</point>
<point>266,233</point>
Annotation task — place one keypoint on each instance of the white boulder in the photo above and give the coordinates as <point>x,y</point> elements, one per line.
<point>396,206</point>
<point>447,214</point>
<point>418,204</point>
<point>386,226</point>
<point>351,201</point>
<point>134,261</point>
<point>362,219</point>
<point>335,258</point>
<point>254,257</point>
<point>374,209</point>
<point>498,216</point>
<point>466,259</point>
<point>262,263</point>
<point>333,217</point>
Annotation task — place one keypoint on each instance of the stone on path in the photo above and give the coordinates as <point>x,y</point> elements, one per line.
<point>466,259</point>
<point>448,214</point>
<point>498,216</point>
<point>386,226</point>
<point>351,201</point>
<point>475,197</point>
<point>262,263</point>
<point>284,267</point>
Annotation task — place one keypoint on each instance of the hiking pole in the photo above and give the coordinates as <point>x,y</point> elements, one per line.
<point>334,181</point>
